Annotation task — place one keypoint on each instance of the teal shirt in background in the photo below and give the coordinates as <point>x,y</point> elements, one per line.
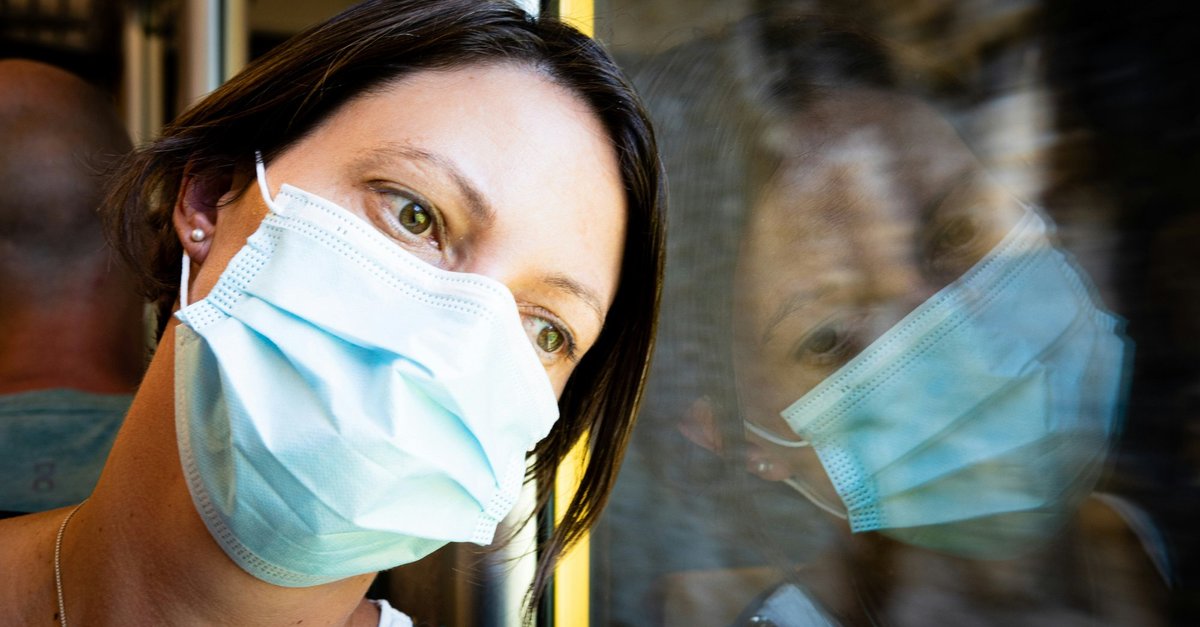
<point>53,444</point>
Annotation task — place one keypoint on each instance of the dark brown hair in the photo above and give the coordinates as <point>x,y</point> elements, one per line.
<point>293,88</point>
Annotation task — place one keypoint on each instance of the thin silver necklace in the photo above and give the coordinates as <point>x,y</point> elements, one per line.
<point>62,607</point>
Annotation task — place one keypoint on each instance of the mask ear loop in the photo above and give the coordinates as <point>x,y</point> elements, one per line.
<point>185,270</point>
<point>184,276</point>
<point>792,482</point>
<point>261,170</point>
<point>813,498</point>
<point>772,438</point>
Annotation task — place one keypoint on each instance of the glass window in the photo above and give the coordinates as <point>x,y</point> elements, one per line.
<point>926,352</point>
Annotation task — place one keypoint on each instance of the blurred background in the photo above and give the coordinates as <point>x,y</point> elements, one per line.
<point>866,155</point>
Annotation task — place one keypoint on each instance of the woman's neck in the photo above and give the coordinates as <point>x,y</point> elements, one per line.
<point>138,552</point>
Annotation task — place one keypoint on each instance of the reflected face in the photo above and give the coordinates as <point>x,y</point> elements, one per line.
<point>493,170</point>
<point>876,205</point>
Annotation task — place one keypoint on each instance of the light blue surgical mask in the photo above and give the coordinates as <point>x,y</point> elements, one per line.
<point>976,424</point>
<point>343,407</point>
<point>53,445</point>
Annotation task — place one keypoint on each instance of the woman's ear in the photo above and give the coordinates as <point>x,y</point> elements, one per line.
<point>195,215</point>
<point>699,424</point>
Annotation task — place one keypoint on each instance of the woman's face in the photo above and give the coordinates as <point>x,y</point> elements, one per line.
<point>877,205</point>
<point>492,170</point>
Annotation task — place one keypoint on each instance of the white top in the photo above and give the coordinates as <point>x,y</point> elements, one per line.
<point>390,616</point>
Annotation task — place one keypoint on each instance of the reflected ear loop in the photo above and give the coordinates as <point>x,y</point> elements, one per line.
<point>814,498</point>
<point>772,438</point>
<point>796,484</point>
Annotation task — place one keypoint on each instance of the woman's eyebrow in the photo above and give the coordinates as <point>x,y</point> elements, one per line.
<point>589,297</point>
<point>390,152</point>
<point>795,302</point>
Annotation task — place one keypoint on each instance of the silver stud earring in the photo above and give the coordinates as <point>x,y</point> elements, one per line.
<point>763,467</point>
<point>198,235</point>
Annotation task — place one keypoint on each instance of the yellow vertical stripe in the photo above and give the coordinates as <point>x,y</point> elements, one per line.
<point>572,593</point>
<point>579,13</point>
<point>572,578</point>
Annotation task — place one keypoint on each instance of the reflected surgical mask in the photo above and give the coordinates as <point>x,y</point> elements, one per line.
<point>343,407</point>
<point>53,445</point>
<point>977,424</point>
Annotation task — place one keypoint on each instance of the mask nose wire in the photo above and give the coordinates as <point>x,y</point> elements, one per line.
<point>261,171</point>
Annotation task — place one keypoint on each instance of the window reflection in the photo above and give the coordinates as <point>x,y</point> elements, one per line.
<point>838,180</point>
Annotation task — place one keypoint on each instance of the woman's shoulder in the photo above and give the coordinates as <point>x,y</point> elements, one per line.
<point>25,572</point>
<point>29,537</point>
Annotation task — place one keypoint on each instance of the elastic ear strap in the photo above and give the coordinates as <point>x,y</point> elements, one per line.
<point>261,170</point>
<point>184,275</point>
<point>771,437</point>
<point>812,497</point>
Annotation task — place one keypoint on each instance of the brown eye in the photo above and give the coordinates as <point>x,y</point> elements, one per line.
<point>956,233</point>
<point>831,344</point>
<point>413,217</point>
<point>823,341</point>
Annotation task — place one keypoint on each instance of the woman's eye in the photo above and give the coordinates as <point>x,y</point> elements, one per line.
<point>549,338</point>
<point>824,341</point>
<point>831,344</point>
<point>951,247</point>
<point>414,217</point>
<point>955,234</point>
<point>405,213</point>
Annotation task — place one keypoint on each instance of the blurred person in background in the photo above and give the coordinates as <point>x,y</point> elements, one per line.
<point>72,345</point>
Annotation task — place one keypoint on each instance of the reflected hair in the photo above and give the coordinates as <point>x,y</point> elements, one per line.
<point>717,101</point>
<point>290,90</point>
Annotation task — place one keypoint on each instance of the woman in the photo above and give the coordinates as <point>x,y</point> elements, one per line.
<point>908,351</point>
<point>404,234</point>
<point>937,370</point>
